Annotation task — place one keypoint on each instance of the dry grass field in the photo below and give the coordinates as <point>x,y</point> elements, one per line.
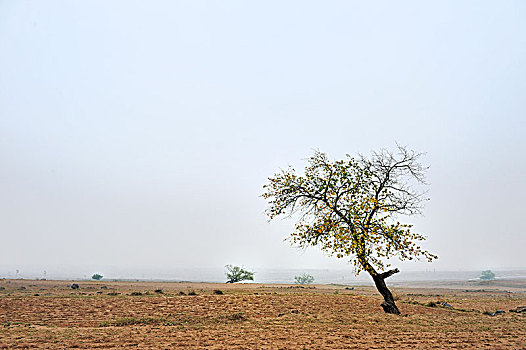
<point>148,315</point>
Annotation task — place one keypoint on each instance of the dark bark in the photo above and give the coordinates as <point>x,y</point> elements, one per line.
<point>388,305</point>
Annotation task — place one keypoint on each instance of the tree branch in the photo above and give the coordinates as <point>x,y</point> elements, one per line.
<point>389,273</point>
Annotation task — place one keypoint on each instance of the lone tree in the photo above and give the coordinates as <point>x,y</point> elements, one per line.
<point>304,279</point>
<point>487,275</point>
<point>349,207</point>
<point>238,274</point>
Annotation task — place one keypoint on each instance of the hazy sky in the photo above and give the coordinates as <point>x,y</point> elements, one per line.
<point>139,134</point>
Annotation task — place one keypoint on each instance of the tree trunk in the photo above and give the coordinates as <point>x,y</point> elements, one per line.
<point>388,305</point>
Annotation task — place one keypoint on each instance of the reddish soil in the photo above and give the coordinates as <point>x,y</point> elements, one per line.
<point>50,315</point>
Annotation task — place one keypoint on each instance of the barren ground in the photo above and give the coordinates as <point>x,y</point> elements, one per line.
<point>51,315</point>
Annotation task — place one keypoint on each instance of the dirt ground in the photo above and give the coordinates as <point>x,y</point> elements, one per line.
<point>150,315</point>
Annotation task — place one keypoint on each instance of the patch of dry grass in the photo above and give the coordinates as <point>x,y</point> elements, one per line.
<point>251,316</point>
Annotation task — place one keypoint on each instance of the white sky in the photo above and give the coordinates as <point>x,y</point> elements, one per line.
<point>140,134</point>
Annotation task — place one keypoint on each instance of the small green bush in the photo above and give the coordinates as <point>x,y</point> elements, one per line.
<point>97,277</point>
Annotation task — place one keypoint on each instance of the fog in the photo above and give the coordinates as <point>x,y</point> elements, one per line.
<point>138,135</point>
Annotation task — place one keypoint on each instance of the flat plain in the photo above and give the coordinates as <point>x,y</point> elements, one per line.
<point>170,315</point>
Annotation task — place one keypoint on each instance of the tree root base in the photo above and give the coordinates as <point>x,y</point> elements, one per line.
<point>390,308</point>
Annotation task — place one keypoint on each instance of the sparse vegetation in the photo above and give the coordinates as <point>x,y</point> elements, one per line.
<point>303,279</point>
<point>237,274</point>
<point>270,315</point>
<point>173,320</point>
<point>128,321</point>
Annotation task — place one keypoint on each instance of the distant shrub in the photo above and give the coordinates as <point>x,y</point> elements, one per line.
<point>237,274</point>
<point>487,275</point>
<point>192,293</point>
<point>304,279</point>
<point>97,277</point>
<point>160,291</point>
<point>431,304</point>
<point>218,292</point>
<point>237,317</point>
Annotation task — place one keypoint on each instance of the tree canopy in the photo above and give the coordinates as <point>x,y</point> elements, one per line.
<point>304,279</point>
<point>349,208</point>
<point>487,275</point>
<point>237,274</point>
